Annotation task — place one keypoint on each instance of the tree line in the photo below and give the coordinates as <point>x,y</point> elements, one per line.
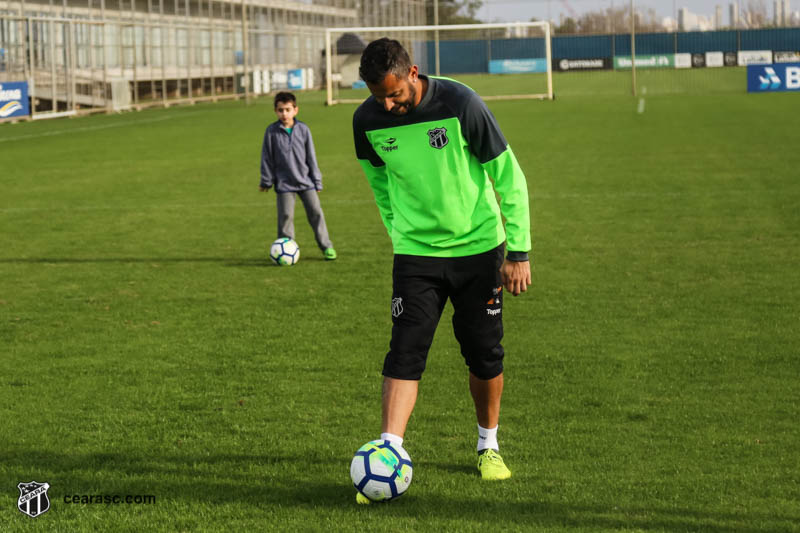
<point>611,20</point>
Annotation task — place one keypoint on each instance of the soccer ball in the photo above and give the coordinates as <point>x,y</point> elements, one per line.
<point>381,470</point>
<point>284,252</point>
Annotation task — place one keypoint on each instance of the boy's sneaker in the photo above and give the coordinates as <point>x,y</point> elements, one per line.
<point>330,254</point>
<point>361,499</point>
<point>491,465</point>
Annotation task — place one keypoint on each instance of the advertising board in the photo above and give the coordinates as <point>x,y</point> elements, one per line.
<point>783,77</point>
<point>683,60</point>
<point>754,57</point>
<point>715,59</point>
<point>645,61</point>
<point>786,57</point>
<point>14,99</point>
<point>295,79</point>
<point>515,66</point>
<point>564,65</point>
<point>698,60</point>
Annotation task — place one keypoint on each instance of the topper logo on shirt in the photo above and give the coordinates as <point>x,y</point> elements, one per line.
<point>437,137</point>
<point>389,145</point>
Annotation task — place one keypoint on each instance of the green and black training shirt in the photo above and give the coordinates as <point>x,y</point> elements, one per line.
<point>430,170</point>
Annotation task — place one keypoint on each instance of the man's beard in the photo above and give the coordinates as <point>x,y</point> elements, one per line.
<point>407,106</point>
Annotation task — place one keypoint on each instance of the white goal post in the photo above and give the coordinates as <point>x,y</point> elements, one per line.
<point>500,61</point>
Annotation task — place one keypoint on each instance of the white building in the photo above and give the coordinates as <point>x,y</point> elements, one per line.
<point>782,13</point>
<point>669,24</point>
<point>89,54</point>
<point>688,21</point>
<point>733,13</point>
<point>787,13</point>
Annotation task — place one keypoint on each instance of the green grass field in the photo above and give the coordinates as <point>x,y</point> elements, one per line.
<point>147,346</point>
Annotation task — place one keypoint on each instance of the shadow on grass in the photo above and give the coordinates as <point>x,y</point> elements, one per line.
<point>225,261</point>
<point>232,261</point>
<point>280,481</point>
<point>461,468</point>
<point>544,516</point>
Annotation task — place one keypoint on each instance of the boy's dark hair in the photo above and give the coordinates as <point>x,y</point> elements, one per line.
<point>382,57</point>
<point>284,98</point>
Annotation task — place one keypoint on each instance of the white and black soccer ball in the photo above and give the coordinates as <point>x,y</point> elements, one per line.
<point>381,470</point>
<point>284,252</point>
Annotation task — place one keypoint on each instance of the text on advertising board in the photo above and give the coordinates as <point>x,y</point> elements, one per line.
<point>513,66</point>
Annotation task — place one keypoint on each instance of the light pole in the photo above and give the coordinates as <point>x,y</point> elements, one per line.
<point>436,34</point>
<point>633,48</point>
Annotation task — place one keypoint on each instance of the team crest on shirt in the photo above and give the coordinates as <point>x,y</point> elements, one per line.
<point>437,137</point>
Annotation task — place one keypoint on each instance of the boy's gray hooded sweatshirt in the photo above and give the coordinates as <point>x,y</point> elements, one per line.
<point>288,160</point>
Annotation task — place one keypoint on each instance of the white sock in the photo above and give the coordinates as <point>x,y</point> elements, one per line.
<point>394,439</point>
<point>487,438</point>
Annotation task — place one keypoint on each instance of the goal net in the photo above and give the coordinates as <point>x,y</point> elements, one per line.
<point>498,60</point>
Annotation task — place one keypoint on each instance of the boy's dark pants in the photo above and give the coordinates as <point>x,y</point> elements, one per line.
<point>310,201</point>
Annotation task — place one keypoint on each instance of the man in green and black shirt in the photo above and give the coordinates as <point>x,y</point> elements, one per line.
<point>430,149</point>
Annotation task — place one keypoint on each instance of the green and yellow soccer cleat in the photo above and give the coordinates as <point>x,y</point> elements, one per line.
<point>491,465</point>
<point>330,254</point>
<point>361,499</point>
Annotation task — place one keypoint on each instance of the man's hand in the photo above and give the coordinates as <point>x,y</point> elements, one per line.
<point>516,276</point>
<point>262,188</point>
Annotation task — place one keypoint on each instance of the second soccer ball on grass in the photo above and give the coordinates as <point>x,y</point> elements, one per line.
<point>284,252</point>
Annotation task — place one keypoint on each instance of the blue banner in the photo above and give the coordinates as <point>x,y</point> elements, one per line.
<point>296,79</point>
<point>14,99</point>
<point>784,77</point>
<point>516,66</point>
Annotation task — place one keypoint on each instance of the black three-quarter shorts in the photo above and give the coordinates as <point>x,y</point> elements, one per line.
<point>421,287</point>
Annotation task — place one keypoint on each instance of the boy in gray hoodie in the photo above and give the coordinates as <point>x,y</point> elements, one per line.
<point>289,163</point>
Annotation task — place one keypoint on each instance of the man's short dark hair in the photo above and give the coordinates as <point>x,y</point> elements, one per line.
<point>381,58</point>
<point>285,98</point>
